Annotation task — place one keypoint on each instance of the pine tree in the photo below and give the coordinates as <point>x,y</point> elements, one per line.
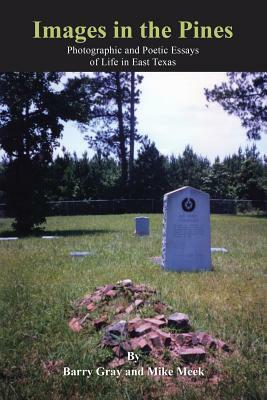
<point>244,95</point>
<point>32,108</point>
<point>114,125</point>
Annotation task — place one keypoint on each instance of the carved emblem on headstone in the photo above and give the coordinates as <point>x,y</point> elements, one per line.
<point>188,204</point>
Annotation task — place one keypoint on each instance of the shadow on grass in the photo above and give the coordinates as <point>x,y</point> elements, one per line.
<point>61,233</point>
<point>75,232</point>
<point>261,216</point>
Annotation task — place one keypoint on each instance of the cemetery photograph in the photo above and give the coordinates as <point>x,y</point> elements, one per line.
<point>133,235</point>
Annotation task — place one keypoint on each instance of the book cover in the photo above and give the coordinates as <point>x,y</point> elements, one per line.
<point>133,200</point>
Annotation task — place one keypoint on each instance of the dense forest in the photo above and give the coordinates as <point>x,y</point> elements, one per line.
<point>238,176</point>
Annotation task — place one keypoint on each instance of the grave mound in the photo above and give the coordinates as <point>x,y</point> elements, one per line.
<point>131,318</point>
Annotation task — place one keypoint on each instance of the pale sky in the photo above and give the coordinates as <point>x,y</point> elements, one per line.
<point>173,112</point>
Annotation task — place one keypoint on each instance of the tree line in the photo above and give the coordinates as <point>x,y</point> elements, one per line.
<point>242,175</point>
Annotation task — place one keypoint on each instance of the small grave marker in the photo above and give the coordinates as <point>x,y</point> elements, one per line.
<point>142,226</point>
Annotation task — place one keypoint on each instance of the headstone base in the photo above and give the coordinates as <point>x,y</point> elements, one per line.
<point>158,261</point>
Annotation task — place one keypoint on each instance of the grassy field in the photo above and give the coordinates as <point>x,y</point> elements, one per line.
<point>39,282</point>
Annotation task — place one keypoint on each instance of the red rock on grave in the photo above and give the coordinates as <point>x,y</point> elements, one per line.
<point>192,354</point>
<point>161,317</point>
<point>144,346</point>
<point>96,298</point>
<point>184,339</point>
<point>165,337</point>
<point>140,343</point>
<point>221,345</point>
<point>195,340</point>
<point>126,346</point>
<point>120,309</point>
<point>107,288</point>
<point>142,329</point>
<point>154,339</point>
<point>206,340</point>
<point>134,343</point>
<point>122,349</point>
<point>111,293</point>
<point>86,300</point>
<point>130,309</point>
<point>74,325</point>
<point>138,303</point>
<point>156,322</point>
<point>91,307</point>
<point>100,322</point>
<point>133,324</point>
<point>146,290</point>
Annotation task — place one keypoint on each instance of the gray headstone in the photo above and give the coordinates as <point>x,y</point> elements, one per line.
<point>142,226</point>
<point>186,230</point>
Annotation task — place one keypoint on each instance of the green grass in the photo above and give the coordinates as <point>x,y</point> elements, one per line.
<point>39,281</point>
